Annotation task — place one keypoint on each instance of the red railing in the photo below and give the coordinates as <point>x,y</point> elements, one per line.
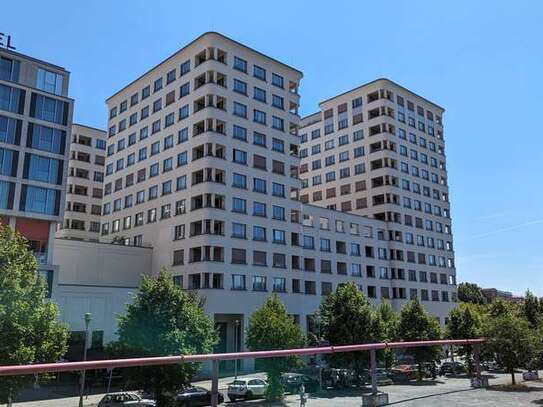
<point>170,360</point>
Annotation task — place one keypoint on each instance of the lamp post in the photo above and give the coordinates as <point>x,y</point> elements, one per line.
<point>236,347</point>
<point>87,317</point>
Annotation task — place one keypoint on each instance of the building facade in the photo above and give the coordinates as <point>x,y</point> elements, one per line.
<point>203,166</point>
<point>35,123</point>
<point>378,151</point>
<point>84,184</point>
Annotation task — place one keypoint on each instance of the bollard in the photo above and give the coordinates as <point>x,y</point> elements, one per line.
<point>373,367</point>
<point>215,384</point>
<point>477,358</point>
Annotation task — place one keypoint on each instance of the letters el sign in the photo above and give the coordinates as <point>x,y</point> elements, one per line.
<point>5,41</point>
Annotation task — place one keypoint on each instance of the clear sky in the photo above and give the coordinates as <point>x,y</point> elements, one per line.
<point>481,60</point>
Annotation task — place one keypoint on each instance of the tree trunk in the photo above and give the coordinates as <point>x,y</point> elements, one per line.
<point>513,377</point>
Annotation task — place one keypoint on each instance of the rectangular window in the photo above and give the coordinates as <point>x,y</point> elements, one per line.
<point>39,200</point>
<point>49,109</point>
<point>49,81</point>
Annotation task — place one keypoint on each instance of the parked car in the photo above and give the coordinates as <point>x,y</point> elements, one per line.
<point>447,368</point>
<point>125,398</point>
<point>383,377</point>
<point>247,389</point>
<point>195,396</point>
<point>403,373</point>
<point>292,381</point>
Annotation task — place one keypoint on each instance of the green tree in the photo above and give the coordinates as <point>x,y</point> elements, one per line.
<point>532,310</point>
<point>164,320</point>
<point>417,325</point>
<point>390,321</point>
<point>511,340</point>
<point>465,322</point>
<point>29,329</point>
<point>470,292</point>
<point>348,318</point>
<point>270,327</point>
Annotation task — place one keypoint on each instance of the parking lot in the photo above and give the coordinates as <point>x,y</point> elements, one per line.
<point>444,391</point>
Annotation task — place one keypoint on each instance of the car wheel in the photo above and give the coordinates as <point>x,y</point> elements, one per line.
<point>232,399</point>
<point>248,395</point>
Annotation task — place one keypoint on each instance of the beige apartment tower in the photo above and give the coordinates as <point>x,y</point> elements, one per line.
<point>83,207</point>
<point>206,163</point>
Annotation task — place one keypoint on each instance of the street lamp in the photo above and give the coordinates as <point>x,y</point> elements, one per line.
<point>87,318</point>
<point>236,324</point>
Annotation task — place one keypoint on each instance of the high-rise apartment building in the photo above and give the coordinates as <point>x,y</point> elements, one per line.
<point>203,166</point>
<point>85,184</point>
<point>35,119</point>
<point>378,151</point>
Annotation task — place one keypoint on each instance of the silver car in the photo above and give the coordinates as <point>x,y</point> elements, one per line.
<point>247,389</point>
<point>125,398</point>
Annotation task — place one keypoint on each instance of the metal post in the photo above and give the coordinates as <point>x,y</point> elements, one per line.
<point>477,358</point>
<point>109,380</point>
<point>373,367</point>
<point>236,347</point>
<point>215,384</point>
<point>452,361</point>
<point>87,319</point>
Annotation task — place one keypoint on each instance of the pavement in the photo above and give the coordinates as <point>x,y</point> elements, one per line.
<point>439,393</point>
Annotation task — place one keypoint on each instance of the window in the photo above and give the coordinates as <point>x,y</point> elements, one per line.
<point>259,72</point>
<point>239,230</point>
<point>238,282</point>
<point>277,101</point>
<point>239,256</point>
<point>259,139</point>
<point>278,145</point>
<point>259,233</point>
<point>49,81</point>
<point>259,209</point>
<point>277,80</point>
<point>37,168</point>
<point>240,110</point>
<point>240,64</point>
<point>278,212</point>
<point>259,116</point>
<point>40,137</point>
<point>240,157</point>
<point>259,283</point>
<point>259,185</point>
<point>35,199</point>
<point>44,108</point>
<point>157,85</point>
<point>170,76</point>
<point>278,123</point>
<point>259,94</point>
<point>239,205</point>
<point>279,284</point>
<point>240,87</point>
<point>239,133</point>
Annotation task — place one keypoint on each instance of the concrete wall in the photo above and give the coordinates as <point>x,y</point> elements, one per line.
<point>97,278</point>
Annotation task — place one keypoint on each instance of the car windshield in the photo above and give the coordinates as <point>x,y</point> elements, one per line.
<point>238,382</point>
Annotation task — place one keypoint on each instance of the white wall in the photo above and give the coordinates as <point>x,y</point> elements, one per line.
<point>97,278</point>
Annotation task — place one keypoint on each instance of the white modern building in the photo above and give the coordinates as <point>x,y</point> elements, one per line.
<point>206,163</point>
<point>85,181</point>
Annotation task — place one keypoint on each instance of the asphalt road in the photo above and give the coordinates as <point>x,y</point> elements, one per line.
<point>444,392</point>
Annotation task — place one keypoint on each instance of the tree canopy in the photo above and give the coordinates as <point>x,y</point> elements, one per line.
<point>470,292</point>
<point>29,329</point>
<point>465,322</point>
<point>346,318</point>
<point>270,327</point>
<point>418,325</point>
<point>164,320</point>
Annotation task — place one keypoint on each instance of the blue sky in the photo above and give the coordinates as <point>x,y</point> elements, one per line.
<point>482,61</point>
